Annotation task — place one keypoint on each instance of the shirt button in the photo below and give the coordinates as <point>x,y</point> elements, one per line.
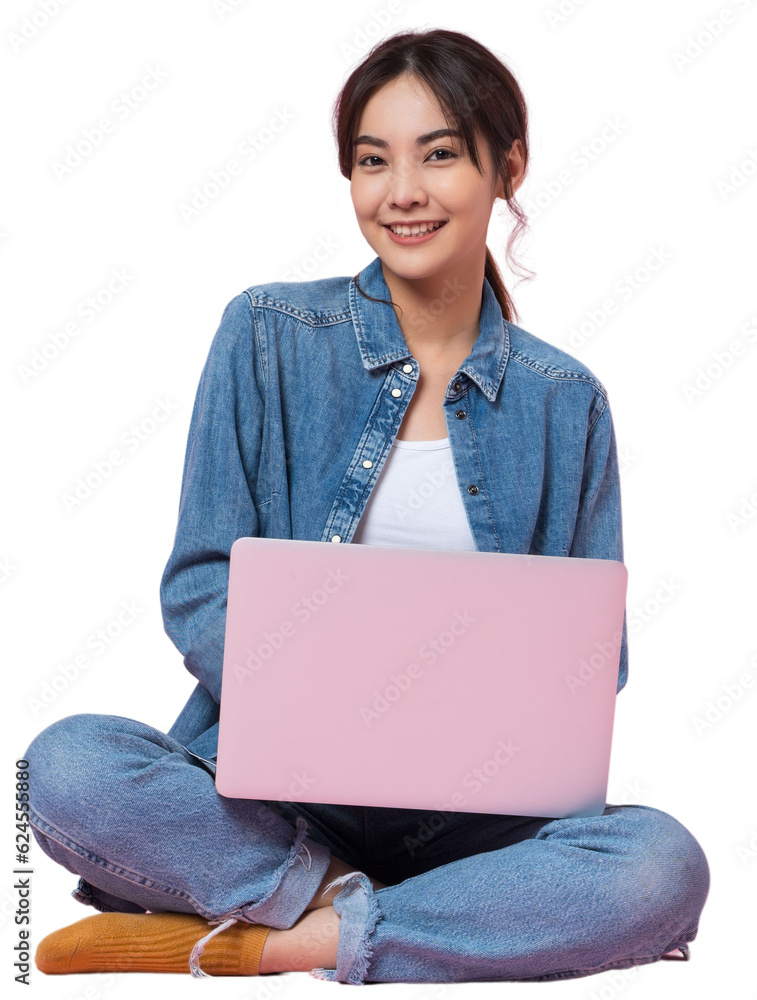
<point>367,464</point>
<point>473,490</point>
<point>336,538</point>
<point>407,369</point>
<point>457,386</point>
<point>460,414</point>
<point>396,392</point>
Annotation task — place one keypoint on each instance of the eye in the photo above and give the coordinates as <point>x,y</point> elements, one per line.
<point>372,156</point>
<point>452,155</point>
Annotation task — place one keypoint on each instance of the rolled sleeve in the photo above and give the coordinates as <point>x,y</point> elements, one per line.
<point>217,503</point>
<point>598,532</point>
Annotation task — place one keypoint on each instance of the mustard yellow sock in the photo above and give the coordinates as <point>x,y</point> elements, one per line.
<point>150,942</point>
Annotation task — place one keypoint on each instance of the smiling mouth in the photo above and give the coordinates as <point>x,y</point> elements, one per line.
<point>414,229</point>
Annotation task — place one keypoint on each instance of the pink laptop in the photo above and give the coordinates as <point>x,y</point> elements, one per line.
<point>419,678</point>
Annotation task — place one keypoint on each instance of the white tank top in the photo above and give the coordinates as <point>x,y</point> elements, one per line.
<point>416,500</point>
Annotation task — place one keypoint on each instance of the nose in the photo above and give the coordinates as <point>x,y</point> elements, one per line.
<point>405,186</point>
<point>405,191</point>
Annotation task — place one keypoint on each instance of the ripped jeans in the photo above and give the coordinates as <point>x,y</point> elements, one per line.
<point>469,896</point>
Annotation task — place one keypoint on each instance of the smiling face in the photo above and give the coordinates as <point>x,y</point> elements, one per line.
<point>408,168</point>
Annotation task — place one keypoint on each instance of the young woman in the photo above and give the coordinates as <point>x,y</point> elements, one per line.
<point>321,406</point>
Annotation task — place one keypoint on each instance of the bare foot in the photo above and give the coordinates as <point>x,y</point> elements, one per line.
<point>310,943</point>
<point>336,868</point>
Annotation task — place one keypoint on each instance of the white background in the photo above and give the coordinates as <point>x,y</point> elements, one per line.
<point>677,177</point>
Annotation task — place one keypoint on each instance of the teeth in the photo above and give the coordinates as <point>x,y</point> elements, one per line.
<point>414,230</point>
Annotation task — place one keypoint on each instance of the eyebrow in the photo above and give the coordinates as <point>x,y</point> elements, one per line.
<point>422,140</point>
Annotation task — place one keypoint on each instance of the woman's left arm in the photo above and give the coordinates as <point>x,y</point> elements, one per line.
<point>599,531</point>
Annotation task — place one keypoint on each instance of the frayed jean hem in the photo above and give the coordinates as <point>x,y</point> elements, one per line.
<point>359,911</point>
<point>255,914</point>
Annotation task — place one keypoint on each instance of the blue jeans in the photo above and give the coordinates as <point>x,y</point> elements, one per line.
<point>469,896</point>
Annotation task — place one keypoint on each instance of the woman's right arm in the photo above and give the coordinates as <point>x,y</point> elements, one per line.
<point>217,493</point>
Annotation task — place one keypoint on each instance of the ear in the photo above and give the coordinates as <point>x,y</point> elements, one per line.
<point>516,162</point>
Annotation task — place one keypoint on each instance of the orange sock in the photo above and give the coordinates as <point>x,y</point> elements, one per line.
<point>150,942</point>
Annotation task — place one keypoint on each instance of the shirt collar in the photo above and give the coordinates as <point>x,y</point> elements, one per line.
<point>381,342</point>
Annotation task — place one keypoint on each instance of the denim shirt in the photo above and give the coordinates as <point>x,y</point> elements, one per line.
<point>300,398</point>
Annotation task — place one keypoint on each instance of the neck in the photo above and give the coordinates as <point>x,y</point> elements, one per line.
<point>439,314</point>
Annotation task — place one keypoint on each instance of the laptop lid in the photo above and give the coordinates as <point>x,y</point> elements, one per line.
<point>419,678</point>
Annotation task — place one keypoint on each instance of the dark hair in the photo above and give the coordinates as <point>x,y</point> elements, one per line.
<point>477,93</point>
